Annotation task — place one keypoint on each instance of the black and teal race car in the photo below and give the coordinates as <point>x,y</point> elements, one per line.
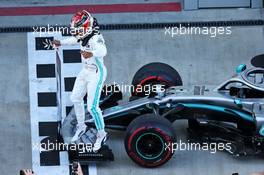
<point>232,112</point>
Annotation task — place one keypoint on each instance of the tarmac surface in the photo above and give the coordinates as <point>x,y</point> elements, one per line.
<point>15,132</point>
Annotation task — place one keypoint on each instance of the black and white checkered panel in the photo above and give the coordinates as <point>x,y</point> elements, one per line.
<point>45,105</point>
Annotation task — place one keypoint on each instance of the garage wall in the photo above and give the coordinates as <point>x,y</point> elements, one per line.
<point>200,4</point>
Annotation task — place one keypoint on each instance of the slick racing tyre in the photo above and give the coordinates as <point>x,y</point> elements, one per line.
<point>148,140</point>
<point>153,74</point>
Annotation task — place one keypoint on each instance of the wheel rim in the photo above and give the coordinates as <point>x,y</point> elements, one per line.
<point>150,146</point>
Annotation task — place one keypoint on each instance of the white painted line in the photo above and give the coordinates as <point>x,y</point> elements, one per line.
<point>45,84</point>
<point>33,102</point>
<point>47,114</point>
<point>71,70</point>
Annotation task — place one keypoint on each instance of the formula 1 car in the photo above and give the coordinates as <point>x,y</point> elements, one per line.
<point>232,112</point>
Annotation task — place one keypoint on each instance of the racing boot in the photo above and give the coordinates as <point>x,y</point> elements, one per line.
<point>81,129</point>
<point>101,137</point>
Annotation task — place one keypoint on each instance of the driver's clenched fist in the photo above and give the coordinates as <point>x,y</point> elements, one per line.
<point>57,43</point>
<point>28,172</point>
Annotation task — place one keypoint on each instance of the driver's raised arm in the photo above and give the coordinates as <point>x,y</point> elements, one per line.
<point>67,41</point>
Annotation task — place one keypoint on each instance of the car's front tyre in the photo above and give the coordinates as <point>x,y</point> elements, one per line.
<point>149,139</point>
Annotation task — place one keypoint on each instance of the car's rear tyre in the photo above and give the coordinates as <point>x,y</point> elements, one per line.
<point>149,139</point>
<point>155,73</point>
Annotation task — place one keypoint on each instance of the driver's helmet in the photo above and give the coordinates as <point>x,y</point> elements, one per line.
<point>82,24</point>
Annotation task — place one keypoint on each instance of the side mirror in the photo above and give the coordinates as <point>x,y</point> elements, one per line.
<point>238,103</point>
<point>241,68</point>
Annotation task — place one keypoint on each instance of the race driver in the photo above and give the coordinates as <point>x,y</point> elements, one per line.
<point>90,80</point>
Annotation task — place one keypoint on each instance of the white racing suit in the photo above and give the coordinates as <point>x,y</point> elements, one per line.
<point>90,80</point>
